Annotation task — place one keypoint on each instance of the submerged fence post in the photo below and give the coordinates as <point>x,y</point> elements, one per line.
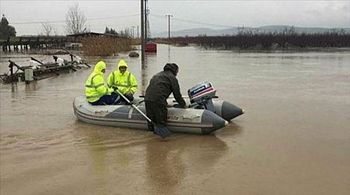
<point>28,75</point>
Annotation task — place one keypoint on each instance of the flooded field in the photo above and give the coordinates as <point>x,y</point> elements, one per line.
<point>293,139</point>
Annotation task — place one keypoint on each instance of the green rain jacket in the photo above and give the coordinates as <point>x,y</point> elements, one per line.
<point>125,83</point>
<point>95,86</point>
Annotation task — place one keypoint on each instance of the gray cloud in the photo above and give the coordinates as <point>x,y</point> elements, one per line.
<point>187,14</point>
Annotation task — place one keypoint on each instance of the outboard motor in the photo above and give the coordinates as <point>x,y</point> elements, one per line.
<point>201,96</point>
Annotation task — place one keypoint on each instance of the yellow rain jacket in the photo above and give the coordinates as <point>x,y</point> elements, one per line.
<point>126,82</point>
<point>95,86</point>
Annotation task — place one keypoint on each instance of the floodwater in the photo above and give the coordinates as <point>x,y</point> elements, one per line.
<point>293,139</point>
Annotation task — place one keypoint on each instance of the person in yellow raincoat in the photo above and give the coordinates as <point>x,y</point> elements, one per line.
<point>123,80</point>
<point>96,90</point>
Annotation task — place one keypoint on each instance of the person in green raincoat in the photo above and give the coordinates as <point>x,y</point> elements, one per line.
<point>96,90</point>
<point>123,80</point>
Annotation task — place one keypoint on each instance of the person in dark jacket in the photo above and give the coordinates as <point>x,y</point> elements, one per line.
<point>160,87</point>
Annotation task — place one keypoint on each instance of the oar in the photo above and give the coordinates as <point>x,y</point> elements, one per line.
<point>142,96</point>
<point>161,131</point>
<point>40,62</point>
<point>73,68</point>
<point>77,57</point>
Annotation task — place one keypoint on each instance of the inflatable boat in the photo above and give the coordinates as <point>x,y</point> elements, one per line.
<point>205,114</point>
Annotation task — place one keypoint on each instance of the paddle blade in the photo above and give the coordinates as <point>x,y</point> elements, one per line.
<point>163,132</point>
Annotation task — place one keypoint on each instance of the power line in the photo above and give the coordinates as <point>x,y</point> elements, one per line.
<point>88,19</point>
<point>39,22</point>
<point>194,22</point>
<point>112,17</point>
<point>202,23</point>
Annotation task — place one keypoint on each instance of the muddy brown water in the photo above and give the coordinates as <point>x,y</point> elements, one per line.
<point>293,139</point>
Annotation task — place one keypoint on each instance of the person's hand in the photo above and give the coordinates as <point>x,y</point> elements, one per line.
<point>179,106</point>
<point>110,90</point>
<point>186,106</point>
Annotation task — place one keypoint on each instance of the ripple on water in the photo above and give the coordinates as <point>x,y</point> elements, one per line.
<point>34,141</point>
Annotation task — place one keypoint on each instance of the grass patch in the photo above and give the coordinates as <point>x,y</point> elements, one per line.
<point>105,46</point>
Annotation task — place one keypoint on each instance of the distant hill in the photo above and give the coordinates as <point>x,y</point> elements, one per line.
<point>262,29</point>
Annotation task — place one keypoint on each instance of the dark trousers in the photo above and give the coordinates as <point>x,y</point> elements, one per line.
<point>157,113</point>
<point>107,100</point>
<point>129,96</point>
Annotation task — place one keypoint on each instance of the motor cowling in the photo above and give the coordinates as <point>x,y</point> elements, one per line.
<point>201,96</point>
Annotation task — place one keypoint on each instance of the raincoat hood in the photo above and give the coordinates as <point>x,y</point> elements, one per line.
<point>99,67</point>
<point>172,67</point>
<point>122,63</point>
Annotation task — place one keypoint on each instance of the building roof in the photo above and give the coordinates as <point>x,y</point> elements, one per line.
<point>86,34</point>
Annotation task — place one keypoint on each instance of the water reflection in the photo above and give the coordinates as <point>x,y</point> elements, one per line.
<point>144,80</point>
<point>144,76</point>
<point>14,87</point>
<point>32,86</point>
<point>95,141</point>
<point>165,168</point>
<point>164,165</point>
<point>168,162</point>
<point>169,56</point>
<point>117,142</point>
<point>233,130</point>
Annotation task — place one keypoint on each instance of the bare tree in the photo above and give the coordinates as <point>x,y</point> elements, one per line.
<point>55,32</point>
<point>75,20</point>
<point>47,28</point>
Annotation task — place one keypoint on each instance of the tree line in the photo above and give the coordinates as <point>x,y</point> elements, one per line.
<point>268,41</point>
<point>122,33</point>
<point>6,30</point>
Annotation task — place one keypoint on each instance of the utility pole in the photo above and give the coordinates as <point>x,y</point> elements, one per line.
<point>142,35</point>
<point>169,15</point>
<point>146,22</point>
<point>133,32</point>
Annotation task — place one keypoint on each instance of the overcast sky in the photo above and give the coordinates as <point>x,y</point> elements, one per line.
<point>27,15</point>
